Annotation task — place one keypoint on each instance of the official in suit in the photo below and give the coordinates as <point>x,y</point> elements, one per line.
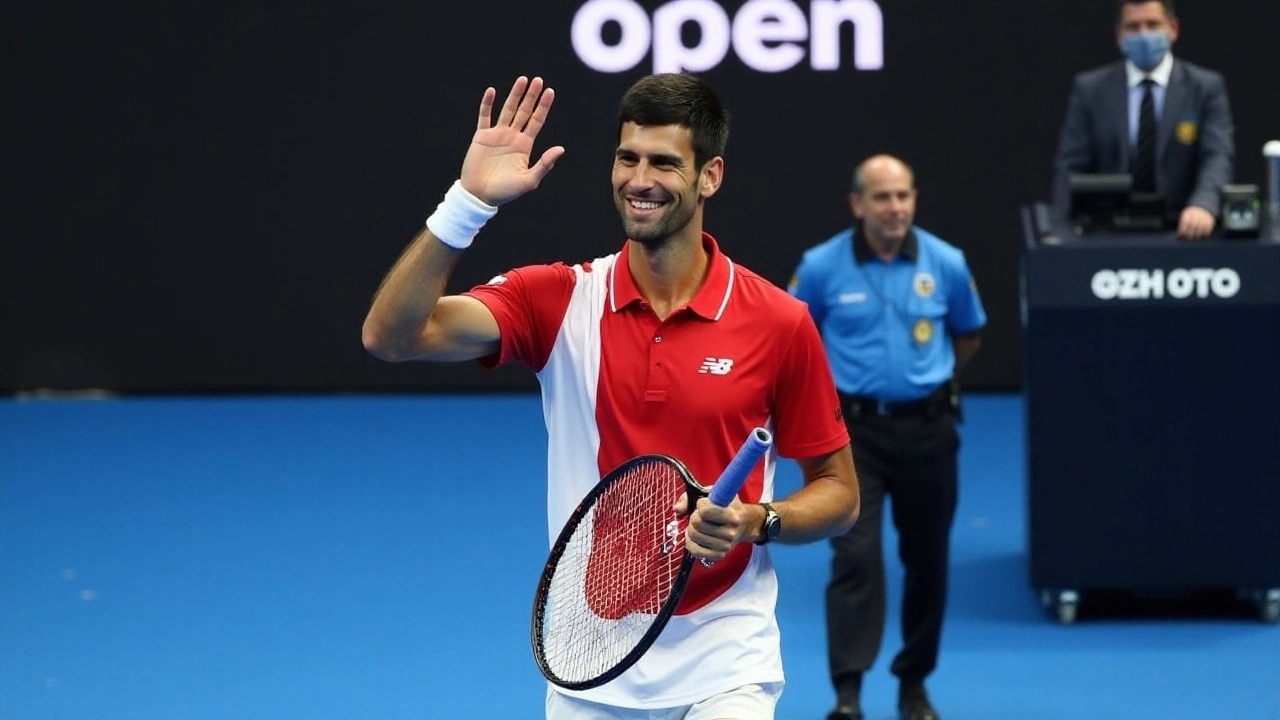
<point>1163,120</point>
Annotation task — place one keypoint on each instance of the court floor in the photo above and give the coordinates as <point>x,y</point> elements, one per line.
<point>374,557</point>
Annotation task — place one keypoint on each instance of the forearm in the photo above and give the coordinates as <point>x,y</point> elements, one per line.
<point>1215,173</point>
<point>827,505</point>
<point>820,510</point>
<point>402,307</point>
<point>1217,154</point>
<point>410,318</point>
<point>964,347</point>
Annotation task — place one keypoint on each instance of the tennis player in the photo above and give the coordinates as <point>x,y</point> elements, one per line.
<point>664,346</point>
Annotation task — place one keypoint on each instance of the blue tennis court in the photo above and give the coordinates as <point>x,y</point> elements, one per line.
<point>362,557</point>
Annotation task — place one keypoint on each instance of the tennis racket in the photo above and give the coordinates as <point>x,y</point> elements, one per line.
<point>619,567</point>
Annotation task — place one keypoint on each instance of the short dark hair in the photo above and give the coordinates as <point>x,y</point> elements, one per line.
<point>1168,7</point>
<point>678,99</point>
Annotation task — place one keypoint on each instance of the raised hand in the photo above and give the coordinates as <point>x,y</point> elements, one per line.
<point>496,169</point>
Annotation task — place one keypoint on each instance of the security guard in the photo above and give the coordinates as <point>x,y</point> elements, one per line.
<point>899,314</point>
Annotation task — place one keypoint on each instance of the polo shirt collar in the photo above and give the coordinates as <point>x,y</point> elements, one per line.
<point>862,251</point>
<point>708,302</point>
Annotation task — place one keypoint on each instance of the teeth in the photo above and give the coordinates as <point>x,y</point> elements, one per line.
<point>641,205</point>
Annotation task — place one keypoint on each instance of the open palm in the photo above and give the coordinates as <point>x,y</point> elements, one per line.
<point>496,169</point>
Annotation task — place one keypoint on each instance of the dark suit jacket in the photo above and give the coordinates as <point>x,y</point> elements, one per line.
<point>1195,149</point>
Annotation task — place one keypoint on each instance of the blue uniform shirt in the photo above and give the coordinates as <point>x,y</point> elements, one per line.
<point>887,326</point>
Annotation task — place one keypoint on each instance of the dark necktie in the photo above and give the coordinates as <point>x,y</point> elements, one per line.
<point>1144,157</point>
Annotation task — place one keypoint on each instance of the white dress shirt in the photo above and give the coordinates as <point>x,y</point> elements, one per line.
<point>1160,74</point>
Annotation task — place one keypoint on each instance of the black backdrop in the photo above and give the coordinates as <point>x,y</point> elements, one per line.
<point>204,196</point>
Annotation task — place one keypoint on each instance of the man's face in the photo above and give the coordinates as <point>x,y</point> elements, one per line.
<point>887,203</point>
<point>657,187</point>
<point>1145,17</point>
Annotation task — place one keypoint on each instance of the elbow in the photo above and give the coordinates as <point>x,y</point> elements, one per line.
<point>965,347</point>
<point>841,517</point>
<point>378,344</point>
<point>396,345</point>
<point>850,517</point>
<point>853,508</point>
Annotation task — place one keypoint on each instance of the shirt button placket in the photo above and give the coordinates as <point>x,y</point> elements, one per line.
<point>656,386</point>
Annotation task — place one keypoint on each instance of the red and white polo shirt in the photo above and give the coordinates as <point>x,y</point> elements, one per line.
<point>617,382</point>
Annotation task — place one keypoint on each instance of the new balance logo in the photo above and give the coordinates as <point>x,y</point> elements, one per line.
<point>716,366</point>
<point>671,537</point>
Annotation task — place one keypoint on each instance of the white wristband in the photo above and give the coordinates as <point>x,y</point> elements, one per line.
<point>459,217</point>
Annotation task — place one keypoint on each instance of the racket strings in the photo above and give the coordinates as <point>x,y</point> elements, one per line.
<point>618,569</point>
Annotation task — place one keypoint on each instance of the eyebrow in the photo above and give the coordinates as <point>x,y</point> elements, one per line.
<point>662,158</point>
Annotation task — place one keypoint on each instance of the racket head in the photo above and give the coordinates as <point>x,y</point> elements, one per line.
<point>615,574</point>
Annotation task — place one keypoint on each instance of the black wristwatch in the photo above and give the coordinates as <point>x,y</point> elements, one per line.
<point>772,525</point>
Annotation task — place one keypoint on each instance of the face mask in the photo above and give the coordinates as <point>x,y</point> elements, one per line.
<point>1145,49</point>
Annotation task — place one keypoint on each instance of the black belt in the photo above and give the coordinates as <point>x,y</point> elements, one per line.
<point>946,398</point>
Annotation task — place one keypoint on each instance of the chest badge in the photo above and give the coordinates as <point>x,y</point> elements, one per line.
<point>716,366</point>
<point>923,331</point>
<point>924,284</point>
<point>1186,132</point>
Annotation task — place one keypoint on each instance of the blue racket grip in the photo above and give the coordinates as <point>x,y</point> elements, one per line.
<point>731,480</point>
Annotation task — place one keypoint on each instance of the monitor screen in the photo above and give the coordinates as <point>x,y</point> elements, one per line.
<point>1106,202</point>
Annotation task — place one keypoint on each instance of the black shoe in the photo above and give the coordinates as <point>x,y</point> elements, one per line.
<point>848,690</point>
<point>913,703</point>
<point>846,712</point>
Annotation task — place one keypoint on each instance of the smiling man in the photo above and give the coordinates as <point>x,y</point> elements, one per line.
<point>665,333</point>
<point>1158,118</point>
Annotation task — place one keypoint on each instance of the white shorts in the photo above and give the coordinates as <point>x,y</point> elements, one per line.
<point>749,702</point>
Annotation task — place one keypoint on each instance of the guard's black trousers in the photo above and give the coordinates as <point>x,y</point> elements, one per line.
<point>912,460</point>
